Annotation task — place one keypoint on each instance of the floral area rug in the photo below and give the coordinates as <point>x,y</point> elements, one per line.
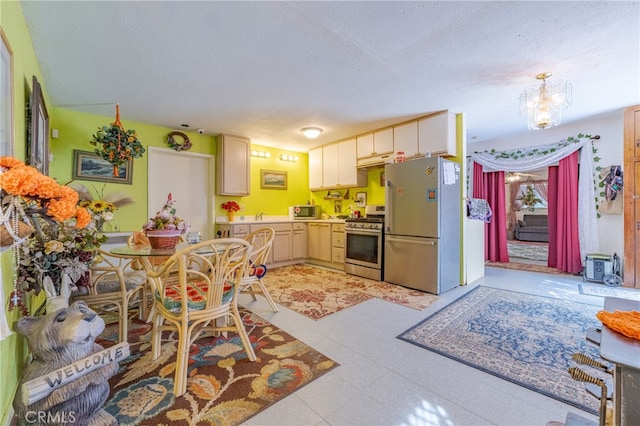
<point>605,291</point>
<point>223,388</point>
<point>317,292</point>
<point>525,339</point>
<point>519,249</point>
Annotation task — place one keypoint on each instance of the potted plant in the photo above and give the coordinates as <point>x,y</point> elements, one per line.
<point>165,228</point>
<point>529,199</point>
<point>117,145</point>
<point>231,207</point>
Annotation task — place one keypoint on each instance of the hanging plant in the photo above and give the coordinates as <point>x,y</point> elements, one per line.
<point>117,145</point>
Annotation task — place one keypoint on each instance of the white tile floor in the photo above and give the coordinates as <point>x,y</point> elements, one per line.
<point>382,380</point>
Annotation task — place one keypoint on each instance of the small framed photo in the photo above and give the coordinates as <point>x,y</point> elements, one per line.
<point>89,166</point>
<point>273,179</point>
<point>361,199</point>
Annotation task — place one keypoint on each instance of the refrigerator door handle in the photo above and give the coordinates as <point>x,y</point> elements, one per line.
<point>388,208</point>
<point>402,240</point>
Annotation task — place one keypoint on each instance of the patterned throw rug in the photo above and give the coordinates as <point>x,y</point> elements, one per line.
<point>523,250</point>
<point>605,291</point>
<point>317,292</point>
<point>525,339</point>
<point>224,387</point>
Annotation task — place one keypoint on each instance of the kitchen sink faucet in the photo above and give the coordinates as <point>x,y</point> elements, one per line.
<point>259,215</point>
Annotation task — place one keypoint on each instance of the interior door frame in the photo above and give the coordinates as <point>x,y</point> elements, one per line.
<point>210,183</point>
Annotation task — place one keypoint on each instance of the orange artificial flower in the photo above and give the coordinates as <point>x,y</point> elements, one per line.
<point>10,162</point>
<point>83,217</point>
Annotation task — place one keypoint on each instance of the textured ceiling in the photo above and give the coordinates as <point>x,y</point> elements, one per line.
<point>266,69</point>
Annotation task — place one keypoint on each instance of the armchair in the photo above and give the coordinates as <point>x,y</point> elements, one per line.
<point>196,291</point>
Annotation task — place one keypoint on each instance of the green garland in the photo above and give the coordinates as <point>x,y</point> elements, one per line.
<point>524,152</point>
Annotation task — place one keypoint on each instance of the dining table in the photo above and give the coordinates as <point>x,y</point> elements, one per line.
<point>152,260</point>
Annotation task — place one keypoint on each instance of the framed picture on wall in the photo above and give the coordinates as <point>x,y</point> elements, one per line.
<point>6,97</point>
<point>38,130</point>
<point>273,179</point>
<point>89,166</point>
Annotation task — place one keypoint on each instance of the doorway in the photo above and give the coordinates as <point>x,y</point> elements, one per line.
<point>189,177</point>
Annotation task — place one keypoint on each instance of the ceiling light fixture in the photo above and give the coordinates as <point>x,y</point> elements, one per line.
<point>311,132</point>
<point>543,105</point>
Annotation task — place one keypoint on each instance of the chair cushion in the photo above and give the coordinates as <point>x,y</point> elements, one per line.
<point>258,271</point>
<point>196,292</point>
<point>109,283</point>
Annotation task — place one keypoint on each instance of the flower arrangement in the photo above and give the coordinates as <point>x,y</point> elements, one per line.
<point>63,246</point>
<point>102,207</point>
<point>37,195</point>
<point>115,144</point>
<point>166,219</point>
<point>230,206</point>
<point>62,253</point>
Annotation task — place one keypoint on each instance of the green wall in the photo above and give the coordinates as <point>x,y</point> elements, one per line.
<point>74,133</point>
<point>25,65</point>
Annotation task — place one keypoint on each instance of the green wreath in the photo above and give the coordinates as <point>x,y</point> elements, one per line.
<point>184,146</point>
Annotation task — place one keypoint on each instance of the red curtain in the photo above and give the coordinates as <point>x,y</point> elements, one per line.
<point>490,186</point>
<point>564,244</point>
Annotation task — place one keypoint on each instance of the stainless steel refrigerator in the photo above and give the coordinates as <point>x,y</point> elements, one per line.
<point>422,224</point>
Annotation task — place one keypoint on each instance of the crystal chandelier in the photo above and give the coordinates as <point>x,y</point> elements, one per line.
<point>543,105</point>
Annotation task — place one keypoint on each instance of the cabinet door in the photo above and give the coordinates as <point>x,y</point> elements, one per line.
<point>365,146</point>
<point>437,134</point>
<point>383,141</point>
<point>325,238</point>
<point>232,165</point>
<point>405,138</point>
<point>299,241</point>
<point>331,167</point>
<point>348,173</point>
<point>631,200</point>
<point>315,168</point>
<point>281,249</point>
<point>319,241</point>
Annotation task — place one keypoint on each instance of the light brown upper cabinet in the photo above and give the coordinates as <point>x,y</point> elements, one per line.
<point>233,165</point>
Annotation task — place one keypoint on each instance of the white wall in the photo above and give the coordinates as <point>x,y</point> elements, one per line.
<point>610,148</point>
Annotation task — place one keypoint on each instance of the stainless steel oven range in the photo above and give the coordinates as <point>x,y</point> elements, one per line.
<point>364,244</point>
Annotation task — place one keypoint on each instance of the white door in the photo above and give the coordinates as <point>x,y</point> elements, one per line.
<point>189,177</point>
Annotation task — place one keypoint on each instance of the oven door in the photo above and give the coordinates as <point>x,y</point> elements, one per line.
<point>364,247</point>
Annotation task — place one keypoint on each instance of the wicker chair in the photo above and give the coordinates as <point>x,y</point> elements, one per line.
<point>117,283</point>
<point>196,291</point>
<point>261,241</point>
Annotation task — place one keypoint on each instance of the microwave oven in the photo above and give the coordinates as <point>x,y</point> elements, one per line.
<point>307,212</point>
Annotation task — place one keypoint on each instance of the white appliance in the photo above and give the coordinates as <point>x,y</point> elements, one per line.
<point>422,224</point>
<point>364,244</point>
<point>307,212</point>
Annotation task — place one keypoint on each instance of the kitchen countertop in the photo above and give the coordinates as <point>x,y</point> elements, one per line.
<point>271,219</point>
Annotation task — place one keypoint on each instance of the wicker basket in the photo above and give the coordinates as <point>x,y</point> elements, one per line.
<point>163,240</point>
<point>23,231</point>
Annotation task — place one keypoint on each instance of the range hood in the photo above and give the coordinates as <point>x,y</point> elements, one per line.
<point>374,162</point>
